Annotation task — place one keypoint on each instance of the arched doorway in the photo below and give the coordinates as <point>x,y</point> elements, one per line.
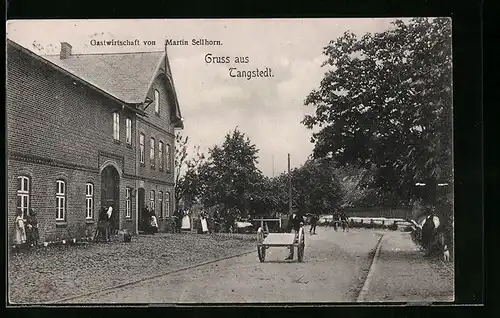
<point>110,193</point>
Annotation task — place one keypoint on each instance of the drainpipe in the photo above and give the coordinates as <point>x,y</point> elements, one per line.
<point>136,190</point>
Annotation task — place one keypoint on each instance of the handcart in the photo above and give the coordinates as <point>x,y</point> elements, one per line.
<point>266,240</point>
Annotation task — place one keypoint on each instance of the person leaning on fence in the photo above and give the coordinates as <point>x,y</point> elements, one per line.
<point>295,221</point>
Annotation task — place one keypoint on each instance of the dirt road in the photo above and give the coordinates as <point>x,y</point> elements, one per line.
<point>334,269</point>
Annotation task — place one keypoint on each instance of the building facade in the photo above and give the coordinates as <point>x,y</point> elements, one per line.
<point>89,131</point>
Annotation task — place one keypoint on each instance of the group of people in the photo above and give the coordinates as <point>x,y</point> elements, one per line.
<point>26,229</point>
<point>340,219</point>
<point>104,226</point>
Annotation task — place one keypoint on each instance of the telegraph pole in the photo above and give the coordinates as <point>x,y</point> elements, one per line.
<point>289,187</point>
<point>273,164</point>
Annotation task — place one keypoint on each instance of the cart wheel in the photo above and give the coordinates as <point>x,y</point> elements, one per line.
<point>261,249</point>
<point>302,245</point>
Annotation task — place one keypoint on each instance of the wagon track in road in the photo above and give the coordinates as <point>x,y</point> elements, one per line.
<point>137,281</point>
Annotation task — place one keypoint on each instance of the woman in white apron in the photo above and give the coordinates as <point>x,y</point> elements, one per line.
<point>204,226</point>
<point>186,222</point>
<point>20,232</point>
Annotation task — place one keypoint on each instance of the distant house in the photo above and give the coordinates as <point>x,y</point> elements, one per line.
<point>87,131</point>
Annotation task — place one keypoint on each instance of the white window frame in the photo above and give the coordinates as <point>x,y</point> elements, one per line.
<point>60,200</point>
<point>141,147</point>
<point>152,200</point>
<point>23,195</point>
<point>89,201</point>
<point>116,126</point>
<point>160,203</point>
<point>152,149</point>
<point>128,203</point>
<point>161,162</point>
<point>167,204</point>
<point>128,124</point>
<point>157,101</point>
<point>168,157</point>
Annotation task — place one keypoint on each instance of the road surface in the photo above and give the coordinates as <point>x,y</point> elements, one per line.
<point>334,269</point>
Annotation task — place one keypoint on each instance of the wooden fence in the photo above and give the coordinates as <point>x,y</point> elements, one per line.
<point>403,213</point>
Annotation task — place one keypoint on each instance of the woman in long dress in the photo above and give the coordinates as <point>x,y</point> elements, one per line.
<point>186,222</point>
<point>20,232</point>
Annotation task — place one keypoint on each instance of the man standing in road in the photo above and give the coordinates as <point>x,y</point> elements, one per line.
<point>295,221</point>
<point>314,221</point>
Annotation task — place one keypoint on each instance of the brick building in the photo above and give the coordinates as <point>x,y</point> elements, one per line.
<point>85,131</point>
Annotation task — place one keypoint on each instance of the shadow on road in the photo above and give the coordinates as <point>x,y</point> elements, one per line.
<point>285,262</point>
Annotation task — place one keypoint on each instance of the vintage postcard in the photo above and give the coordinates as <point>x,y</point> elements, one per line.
<point>229,161</point>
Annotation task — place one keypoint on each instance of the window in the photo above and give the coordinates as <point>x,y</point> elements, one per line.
<point>160,155</point>
<point>167,204</point>
<point>128,203</point>
<point>152,200</point>
<point>89,201</point>
<point>169,159</point>
<point>152,152</point>
<point>141,148</point>
<point>160,203</point>
<point>157,102</point>
<point>23,194</point>
<point>60,200</point>
<point>116,126</point>
<point>128,124</point>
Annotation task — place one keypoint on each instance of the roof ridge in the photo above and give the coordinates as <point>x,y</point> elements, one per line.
<point>106,53</point>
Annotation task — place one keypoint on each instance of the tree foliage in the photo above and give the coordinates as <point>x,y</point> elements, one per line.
<point>386,103</point>
<point>230,176</point>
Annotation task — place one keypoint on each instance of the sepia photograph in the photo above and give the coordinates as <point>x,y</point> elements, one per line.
<point>229,161</point>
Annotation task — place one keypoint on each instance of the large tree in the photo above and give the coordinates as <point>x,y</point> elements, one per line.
<point>230,176</point>
<point>315,189</point>
<point>385,102</point>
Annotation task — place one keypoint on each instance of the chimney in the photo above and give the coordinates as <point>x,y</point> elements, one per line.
<point>65,50</point>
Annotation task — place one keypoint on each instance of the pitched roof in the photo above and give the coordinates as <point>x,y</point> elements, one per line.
<point>126,76</point>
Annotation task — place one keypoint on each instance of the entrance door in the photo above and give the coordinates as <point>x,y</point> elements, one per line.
<point>141,197</point>
<point>110,194</point>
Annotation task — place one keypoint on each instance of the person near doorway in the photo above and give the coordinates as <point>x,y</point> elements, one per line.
<point>295,221</point>
<point>32,234</point>
<point>154,224</point>
<point>102,232</point>
<point>109,216</point>
<point>19,230</point>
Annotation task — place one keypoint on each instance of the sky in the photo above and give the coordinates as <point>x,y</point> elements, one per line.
<point>267,109</point>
